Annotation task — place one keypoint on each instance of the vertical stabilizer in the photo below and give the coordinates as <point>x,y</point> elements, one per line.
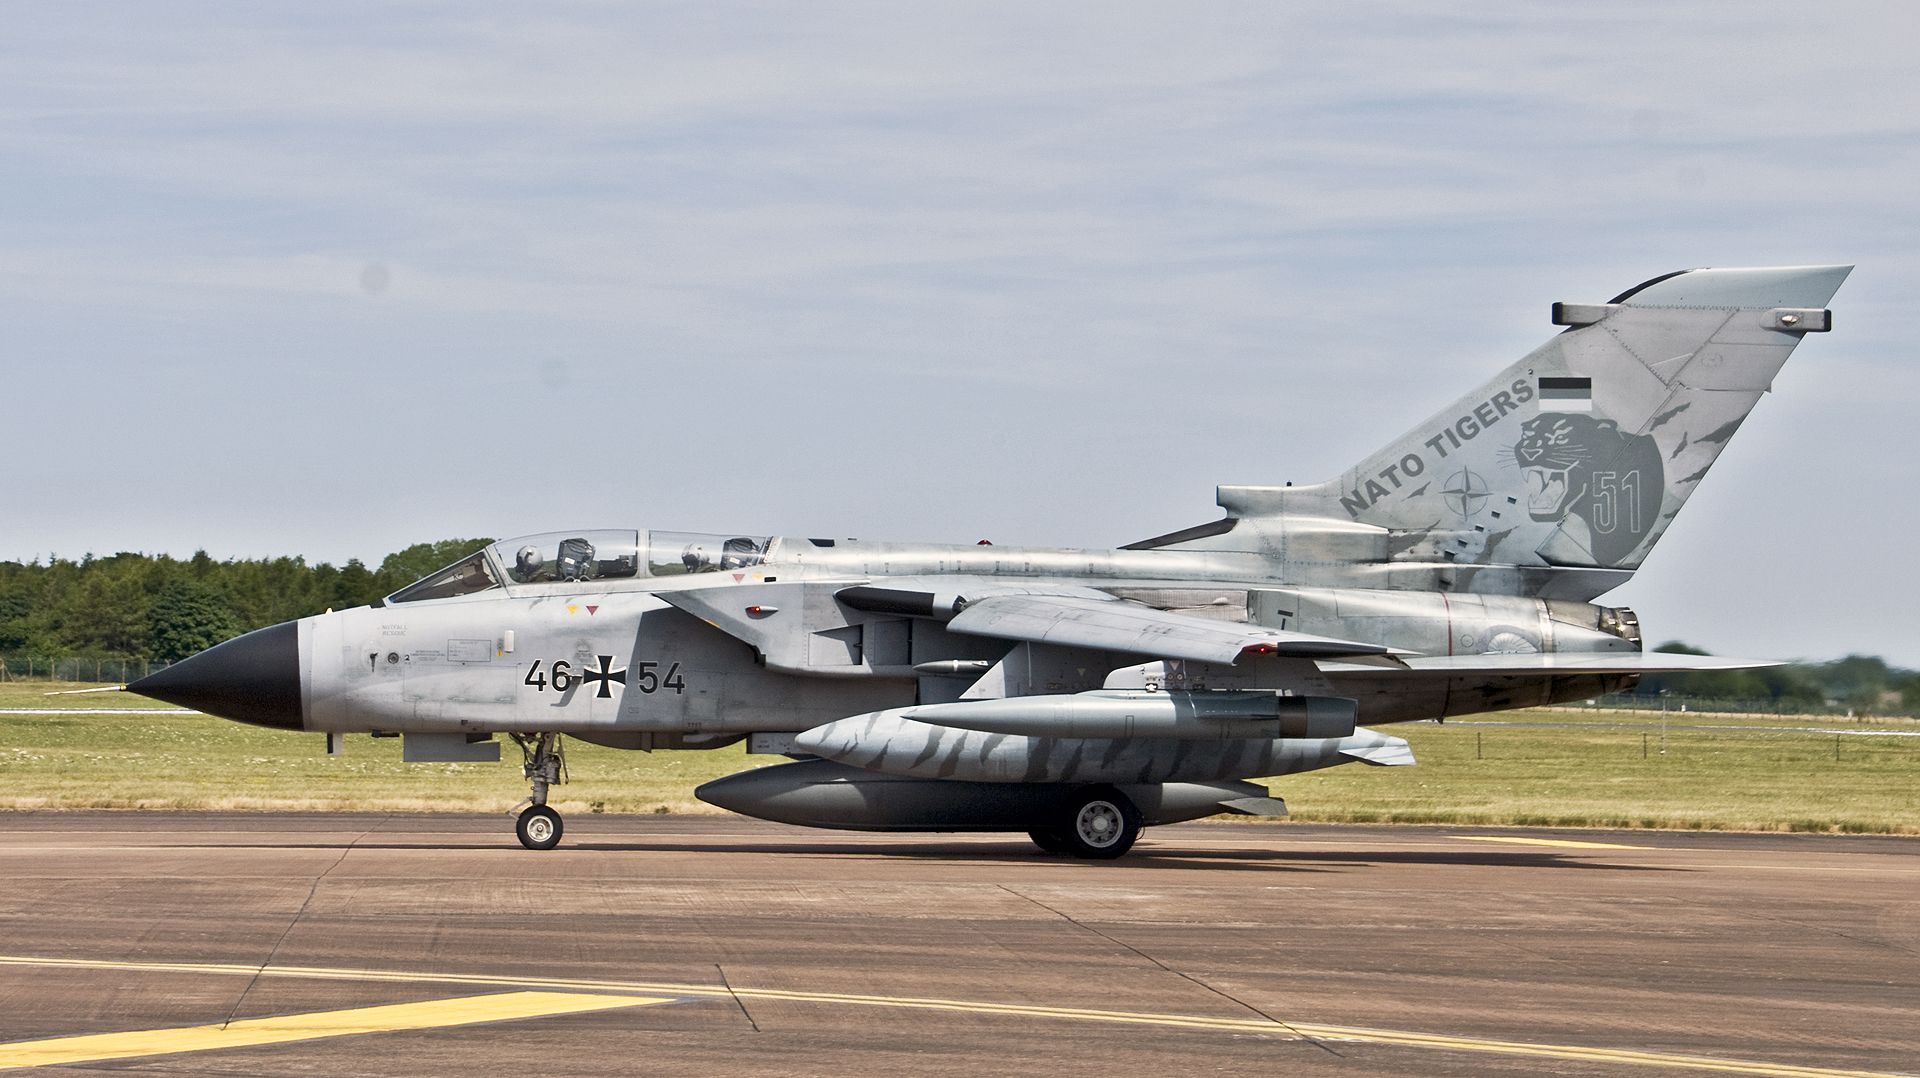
<point>1578,456</point>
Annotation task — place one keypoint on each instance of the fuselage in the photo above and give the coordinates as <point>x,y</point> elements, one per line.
<point>622,657</point>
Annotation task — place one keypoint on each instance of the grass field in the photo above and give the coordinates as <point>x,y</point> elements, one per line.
<point>1587,769</point>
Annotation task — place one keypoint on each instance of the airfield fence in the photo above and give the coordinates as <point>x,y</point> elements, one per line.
<point>1712,705</point>
<point>98,669</point>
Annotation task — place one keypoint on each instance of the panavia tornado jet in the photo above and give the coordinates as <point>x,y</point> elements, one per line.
<point>1080,695</point>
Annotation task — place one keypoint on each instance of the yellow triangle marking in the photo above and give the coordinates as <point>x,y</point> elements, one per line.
<point>1562,842</point>
<point>250,1032</point>
<point>572,609</point>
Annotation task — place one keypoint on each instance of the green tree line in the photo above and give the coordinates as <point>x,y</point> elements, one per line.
<point>1863,684</point>
<point>160,608</point>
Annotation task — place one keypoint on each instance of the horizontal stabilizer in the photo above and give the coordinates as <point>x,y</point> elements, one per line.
<point>1559,663</point>
<point>1391,752</point>
<point>1113,625</point>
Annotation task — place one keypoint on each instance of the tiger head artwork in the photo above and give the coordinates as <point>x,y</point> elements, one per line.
<point>1576,465</point>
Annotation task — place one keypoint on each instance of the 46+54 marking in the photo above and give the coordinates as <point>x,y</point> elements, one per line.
<point>647,676</point>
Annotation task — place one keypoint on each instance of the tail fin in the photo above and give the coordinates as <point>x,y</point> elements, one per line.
<point>1576,457</point>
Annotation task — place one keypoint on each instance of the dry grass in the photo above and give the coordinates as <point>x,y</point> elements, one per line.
<point>1609,771</point>
<point>1756,774</point>
<point>175,761</point>
<point>35,694</point>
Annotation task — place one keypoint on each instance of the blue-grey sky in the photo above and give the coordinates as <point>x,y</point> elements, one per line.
<point>328,280</point>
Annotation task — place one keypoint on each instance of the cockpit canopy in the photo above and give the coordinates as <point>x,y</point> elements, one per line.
<point>582,557</point>
<point>569,557</point>
<point>676,553</point>
<point>464,577</point>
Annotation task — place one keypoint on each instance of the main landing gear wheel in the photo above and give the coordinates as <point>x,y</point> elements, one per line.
<point>1100,824</point>
<point>539,828</point>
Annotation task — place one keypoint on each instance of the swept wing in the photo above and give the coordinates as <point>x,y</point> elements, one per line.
<point>1116,625</point>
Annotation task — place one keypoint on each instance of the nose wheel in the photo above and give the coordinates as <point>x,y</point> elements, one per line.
<point>539,828</point>
<point>544,764</point>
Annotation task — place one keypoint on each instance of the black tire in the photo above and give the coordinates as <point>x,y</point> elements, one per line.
<point>539,828</point>
<point>1049,841</point>
<point>1099,823</point>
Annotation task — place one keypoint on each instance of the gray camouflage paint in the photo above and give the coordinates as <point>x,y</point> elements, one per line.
<point>1473,541</point>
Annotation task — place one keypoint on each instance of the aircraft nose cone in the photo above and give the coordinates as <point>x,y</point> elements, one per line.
<point>253,678</point>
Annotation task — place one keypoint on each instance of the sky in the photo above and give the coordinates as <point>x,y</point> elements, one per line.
<point>331,280</point>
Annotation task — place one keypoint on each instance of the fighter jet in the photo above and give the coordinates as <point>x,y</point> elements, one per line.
<point>1079,695</point>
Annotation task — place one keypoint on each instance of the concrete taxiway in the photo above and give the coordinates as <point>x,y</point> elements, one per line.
<point>254,944</point>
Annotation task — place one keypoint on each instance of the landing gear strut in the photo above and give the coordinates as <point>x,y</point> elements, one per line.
<point>545,763</point>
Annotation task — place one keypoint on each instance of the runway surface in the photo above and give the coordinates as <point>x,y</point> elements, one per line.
<point>336,944</point>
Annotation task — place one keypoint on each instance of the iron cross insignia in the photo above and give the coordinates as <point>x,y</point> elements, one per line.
<point>606,675</point>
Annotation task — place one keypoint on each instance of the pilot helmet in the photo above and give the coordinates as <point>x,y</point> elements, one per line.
<point>527,563</point>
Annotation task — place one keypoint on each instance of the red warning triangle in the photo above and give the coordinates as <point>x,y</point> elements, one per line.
<point>738,577</point>
<point>591,609</point>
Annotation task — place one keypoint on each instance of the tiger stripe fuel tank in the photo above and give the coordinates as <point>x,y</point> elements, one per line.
<point>910,742</point>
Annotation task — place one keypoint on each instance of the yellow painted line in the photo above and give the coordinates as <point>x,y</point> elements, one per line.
<point>251,1032</point>
<point>1287,1030</point>
<point>1566,843</point>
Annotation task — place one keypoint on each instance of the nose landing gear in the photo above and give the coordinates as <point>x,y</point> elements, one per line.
<point>544,764</point>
